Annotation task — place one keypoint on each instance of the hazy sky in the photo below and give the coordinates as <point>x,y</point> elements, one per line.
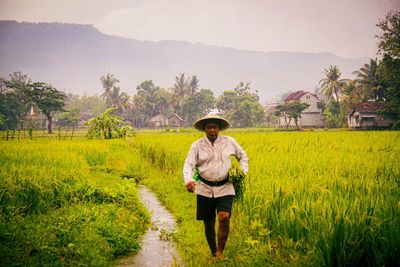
<point>343,27</point>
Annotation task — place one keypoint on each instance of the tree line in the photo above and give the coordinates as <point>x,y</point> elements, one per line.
<point>378,80</point>
<point>19,95</point>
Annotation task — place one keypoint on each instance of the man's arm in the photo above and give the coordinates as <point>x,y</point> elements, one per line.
<point>188,168</point>
<point>242,157</point>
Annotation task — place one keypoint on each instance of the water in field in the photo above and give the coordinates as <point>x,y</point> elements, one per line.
<point>157,249</point>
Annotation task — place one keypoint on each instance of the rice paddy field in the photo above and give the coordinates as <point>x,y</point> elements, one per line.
<point>326,198</point>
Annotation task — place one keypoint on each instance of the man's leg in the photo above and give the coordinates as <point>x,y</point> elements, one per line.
<point>209,227</point>
<point>223,231</point>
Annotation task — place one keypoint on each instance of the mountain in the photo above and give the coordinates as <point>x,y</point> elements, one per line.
<point>73,57</point>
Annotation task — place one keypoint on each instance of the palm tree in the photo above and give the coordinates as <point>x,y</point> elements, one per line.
<point>332,85</point>
<point>193,85</point>
<point>368,78</point>
<point>348,90</point>
<point>125,101</point>
<point>180,90</point>
<point>108,81</point>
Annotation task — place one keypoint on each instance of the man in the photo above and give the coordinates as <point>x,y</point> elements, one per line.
<point>211,155</point>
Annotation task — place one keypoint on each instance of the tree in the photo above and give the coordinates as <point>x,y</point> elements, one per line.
<point>389,39</point>
<point>69,118</point>
<point>147,91</point>
<point>180,90</point>
<point>291,110</point>
<point>240,106</point>
<point>332,85</point>
<point>389,68</point>
<point>294,110</point>
<point>109,82</point>
<point>161,97</point>
<point>197,105</point>
<point>138,114</point>
<point>3,85</point>
<point>368,79</point>
<point>14,100</point>
<point>47,98</point>
<point>2,119</point>
<point>226,101</point>
<point>104,125</point>
<point>193,85</point>
<point>87,105</point>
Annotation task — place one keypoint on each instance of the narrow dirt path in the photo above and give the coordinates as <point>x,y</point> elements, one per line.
<point>157,248</point>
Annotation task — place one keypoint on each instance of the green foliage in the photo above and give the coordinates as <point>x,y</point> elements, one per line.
<point>14,103</point>
<point>110,89</point>
<point>126,131</point>
<point>389,71</point>
<point>104,126</point>
<point>47,98</point>
<point>94,105</point>
<point>70,117</point>
<point>389,39</point>
<point>197,105</point>
<point>2,119</point>
<point>370,82</point>
<point>241,107</point>
<point>389,68</point>
<point>396,125</point>
<point>237,178</point>
<point>332,85</point>
<point>335,117</point>
<point>291,110</point>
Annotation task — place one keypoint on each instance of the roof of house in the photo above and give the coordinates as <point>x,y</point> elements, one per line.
<point>370,106</point>
<point>298,95</point>
<point>177,116</point>
<point>158,117</point>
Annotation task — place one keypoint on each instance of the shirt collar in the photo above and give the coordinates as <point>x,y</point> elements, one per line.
<point>215,142</point>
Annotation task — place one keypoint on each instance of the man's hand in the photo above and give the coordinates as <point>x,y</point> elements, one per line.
<point>190,186</point>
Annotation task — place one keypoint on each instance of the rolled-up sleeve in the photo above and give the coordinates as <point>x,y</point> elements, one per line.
<point>190,163</point>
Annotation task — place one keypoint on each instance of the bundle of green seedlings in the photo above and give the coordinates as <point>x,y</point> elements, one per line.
<point>236,177</point>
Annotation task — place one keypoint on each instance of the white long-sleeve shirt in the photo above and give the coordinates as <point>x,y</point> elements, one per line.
<point>213,163</point>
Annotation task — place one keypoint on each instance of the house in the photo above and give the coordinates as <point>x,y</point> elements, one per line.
<point>158,121</point>
<point>270,110</point>
<point>175,120</point>
<point>36,118</point>
<point>370,115</point>
<point>310,117</point>
<point>161,120</point>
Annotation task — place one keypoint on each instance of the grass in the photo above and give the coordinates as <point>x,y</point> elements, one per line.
<point>66,203</point>
<point>312,198</point>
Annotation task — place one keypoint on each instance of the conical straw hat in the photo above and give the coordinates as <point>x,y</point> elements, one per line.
<point>201,123</point>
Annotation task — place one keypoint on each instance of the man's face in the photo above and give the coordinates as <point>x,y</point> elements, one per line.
<point>212,130</point>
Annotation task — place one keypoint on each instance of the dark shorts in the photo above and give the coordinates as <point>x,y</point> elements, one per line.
<point>206,206</point>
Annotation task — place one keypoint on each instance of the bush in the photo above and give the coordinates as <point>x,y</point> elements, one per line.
<point>396,125</point>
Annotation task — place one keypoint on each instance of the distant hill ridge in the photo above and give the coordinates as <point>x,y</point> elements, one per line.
<point>73,57</point>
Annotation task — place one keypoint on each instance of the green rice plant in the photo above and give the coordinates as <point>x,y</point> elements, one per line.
<point>237,178</point>
<point>52,192</point>
<point>312,198</point>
